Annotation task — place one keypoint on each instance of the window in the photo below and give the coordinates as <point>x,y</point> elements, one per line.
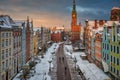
<point>114,38</point>
<point>6,53</point>
<point>10,61</point>
<point>114,59</point>
<point>107,56</point>
<point>3,65</point>
<point>6,63</point>
<point>3,54</point>
<point>114,49</point>
<point>107,46</point>
<point>2,42</point>
<point>3,35</point>
<point>10,52</point>
<point>117,49</point>
<point>10,41</point>
<point>6,42</point>
<point>114,70</point>
<point>103,45</point>
<point>111,68</point>
<point>9,34</point>
<point>111,59</point>
<point>6,34</point>
<point>117,72</point>
<point>117,61</point>
<point>111,48</point>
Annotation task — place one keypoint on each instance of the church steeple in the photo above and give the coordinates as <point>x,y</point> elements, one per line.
<point>74,6</point>
<point>74,14</point>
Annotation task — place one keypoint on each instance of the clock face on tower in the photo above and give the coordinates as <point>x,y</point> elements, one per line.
<point>73,15</point>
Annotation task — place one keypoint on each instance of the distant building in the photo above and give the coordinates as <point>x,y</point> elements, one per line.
<point>28,40</point>
<point>35,43</point>
<point>75,29</point>
<point>115,14</point>
<point>57,34</point>
<point>31,39</point>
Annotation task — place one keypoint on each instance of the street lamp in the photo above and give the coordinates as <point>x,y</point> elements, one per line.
<point>50,61</point>
<point>75,61</point>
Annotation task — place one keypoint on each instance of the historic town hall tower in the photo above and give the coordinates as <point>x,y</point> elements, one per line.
<point>75,29</point>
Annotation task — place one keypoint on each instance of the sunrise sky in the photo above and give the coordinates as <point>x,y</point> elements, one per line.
<point>56,12</point>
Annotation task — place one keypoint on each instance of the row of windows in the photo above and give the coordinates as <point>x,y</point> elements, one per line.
<point>115,60</point>
<point>105,46</point>
<point>115,49</point>
<point>6,42</point>
<point>16,39</point>
<point>7,34</point>
<point>5,65</point>
<point>6,53</point>
<point>105,56</point>
<point>114,70</point>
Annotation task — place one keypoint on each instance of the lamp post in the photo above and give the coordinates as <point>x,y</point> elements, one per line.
<point>75,61</point>
<point>50,61</point>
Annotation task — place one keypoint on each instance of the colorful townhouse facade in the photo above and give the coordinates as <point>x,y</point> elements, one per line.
<point>98,49</point>
<point>17,49</point>
<point>106,49</point>
<point>115,52</point>
<point>31,39</point>
<point>35,43</point>
<point>6,48</point>
<point>27,40</point>
<point>23,56</point>
<point>90,30</point>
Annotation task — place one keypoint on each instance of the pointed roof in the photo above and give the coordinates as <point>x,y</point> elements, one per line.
<point>74,6</point>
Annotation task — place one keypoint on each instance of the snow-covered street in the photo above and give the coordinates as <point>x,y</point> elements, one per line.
<point>43,65</point>
<point>90,70</point>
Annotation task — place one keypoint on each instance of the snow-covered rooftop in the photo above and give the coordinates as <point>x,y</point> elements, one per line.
<point>7,21</point>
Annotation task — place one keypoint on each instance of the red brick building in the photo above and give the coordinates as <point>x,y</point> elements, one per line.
<point>75,29</point>
<point>56,34</point>
<point>27,40</point>
<point>115,14</point>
